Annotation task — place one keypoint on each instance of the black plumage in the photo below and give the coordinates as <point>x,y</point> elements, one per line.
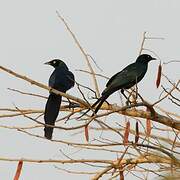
<point>125,79</point>
<point>62,80</point>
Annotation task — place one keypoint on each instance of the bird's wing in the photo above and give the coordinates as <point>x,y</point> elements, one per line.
<point>52,79</point>
<point>61,79</point>
<point>125,79</point>
<point>127,72</point>
<point>70,79</point>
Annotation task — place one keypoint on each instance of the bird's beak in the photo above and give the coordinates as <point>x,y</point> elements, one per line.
<point>47,63</point>
<point>153,59</point>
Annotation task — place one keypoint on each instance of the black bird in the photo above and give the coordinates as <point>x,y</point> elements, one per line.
<point>125,79</point>
<point>62,80</point>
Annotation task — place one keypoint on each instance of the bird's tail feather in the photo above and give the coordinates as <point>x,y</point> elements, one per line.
<point>51,113</point>
<point>100,101</point>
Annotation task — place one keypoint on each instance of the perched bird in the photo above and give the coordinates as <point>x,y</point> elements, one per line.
<point>62,80</point>
<point>125,79</point>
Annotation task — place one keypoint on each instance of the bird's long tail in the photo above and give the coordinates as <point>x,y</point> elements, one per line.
<point>51,113</point>
<point>100,101</point>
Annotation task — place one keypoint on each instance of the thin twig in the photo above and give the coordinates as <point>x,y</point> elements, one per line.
<point>83,52</point>
<point>25,93</point>
<point>142,43</point>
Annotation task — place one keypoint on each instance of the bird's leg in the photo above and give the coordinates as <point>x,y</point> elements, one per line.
<point>107,102</point>
<point>122,91</point>
<point>128,101</point>
<point>135,95</point>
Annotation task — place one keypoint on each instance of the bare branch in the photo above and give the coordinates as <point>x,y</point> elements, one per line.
<point>83,52</point>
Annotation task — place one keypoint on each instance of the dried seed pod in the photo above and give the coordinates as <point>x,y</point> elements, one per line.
<point>126,133</point>
<point>137,132</point>
<point>121,174</point>
<point>18,170</point>
<point>148,125</point>
<point>86,133</point>
<point>158,80</point>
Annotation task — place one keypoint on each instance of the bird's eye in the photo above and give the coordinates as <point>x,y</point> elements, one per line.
<point>54,62</point>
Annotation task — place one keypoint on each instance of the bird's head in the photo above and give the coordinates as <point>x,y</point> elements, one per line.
<point>56,63</point>
<point>144,58</point>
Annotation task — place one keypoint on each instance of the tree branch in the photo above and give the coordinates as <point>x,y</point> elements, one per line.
<point>83,52</point>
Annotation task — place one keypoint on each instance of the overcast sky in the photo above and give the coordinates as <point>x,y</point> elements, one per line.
<point>111,31</point>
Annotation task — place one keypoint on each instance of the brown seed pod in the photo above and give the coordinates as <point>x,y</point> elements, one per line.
<point>86,133</point>
<point>126,133</point>
<point>158,80</point>
<point>18,170</point>
<point>137,132</point>
<point>148,125</point>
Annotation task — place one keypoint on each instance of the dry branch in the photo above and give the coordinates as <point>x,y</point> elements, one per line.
<point>44,86</point>
<point>114,108</point>
<point>82,51</point>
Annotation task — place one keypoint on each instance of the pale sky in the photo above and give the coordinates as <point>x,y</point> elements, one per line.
<point>111,31</point>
